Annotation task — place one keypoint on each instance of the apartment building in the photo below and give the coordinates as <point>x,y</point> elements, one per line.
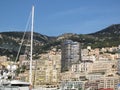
<point>72,85</point>
<point>48,68</point>
<point>109,82</point>
<point>70,54</point>
<point>3,61</point>
<point>106,66</point>
<point>94,76</point>
<point>3,58</point>
<point>118,65</point>
<point>84,66</point>
<point>55,57</point>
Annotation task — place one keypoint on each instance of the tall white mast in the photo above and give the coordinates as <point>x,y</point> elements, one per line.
<point>31,48</point>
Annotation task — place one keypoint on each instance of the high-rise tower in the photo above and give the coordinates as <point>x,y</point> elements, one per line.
<point>71,54</point>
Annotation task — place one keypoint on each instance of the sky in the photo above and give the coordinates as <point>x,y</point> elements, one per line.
<point>56,17</point>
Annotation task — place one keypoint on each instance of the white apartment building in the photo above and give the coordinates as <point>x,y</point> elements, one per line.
<point>118,66</point>
<point>89,58</point>
<point>104,66</point>
<point>94,76</point>
<point>82,67</point>
<point>72,85</point>
<point>109,82</point>
<point>88,66</point>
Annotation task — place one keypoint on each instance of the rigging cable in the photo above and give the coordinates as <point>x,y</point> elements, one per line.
<point>23,38</point>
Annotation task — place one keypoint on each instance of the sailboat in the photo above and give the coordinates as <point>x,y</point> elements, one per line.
<point>17,84</point>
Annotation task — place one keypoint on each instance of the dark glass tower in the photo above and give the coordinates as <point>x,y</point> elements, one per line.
<point>71,54</point>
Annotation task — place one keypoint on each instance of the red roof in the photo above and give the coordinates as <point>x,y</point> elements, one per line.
<point>106,89</point>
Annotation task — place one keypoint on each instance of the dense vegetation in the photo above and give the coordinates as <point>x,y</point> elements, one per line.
<point>11,41</point>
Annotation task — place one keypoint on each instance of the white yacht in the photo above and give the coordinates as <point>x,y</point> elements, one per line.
<point>15,85</point>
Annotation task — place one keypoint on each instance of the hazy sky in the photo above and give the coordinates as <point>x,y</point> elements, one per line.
<point>55,17</point>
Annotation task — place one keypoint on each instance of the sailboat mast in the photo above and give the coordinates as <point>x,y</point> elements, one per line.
<point>31,48</point>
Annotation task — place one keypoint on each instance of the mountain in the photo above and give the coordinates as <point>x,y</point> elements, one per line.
<point>11,41</point>
<point>109,36</point>
<point>109,31</point>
